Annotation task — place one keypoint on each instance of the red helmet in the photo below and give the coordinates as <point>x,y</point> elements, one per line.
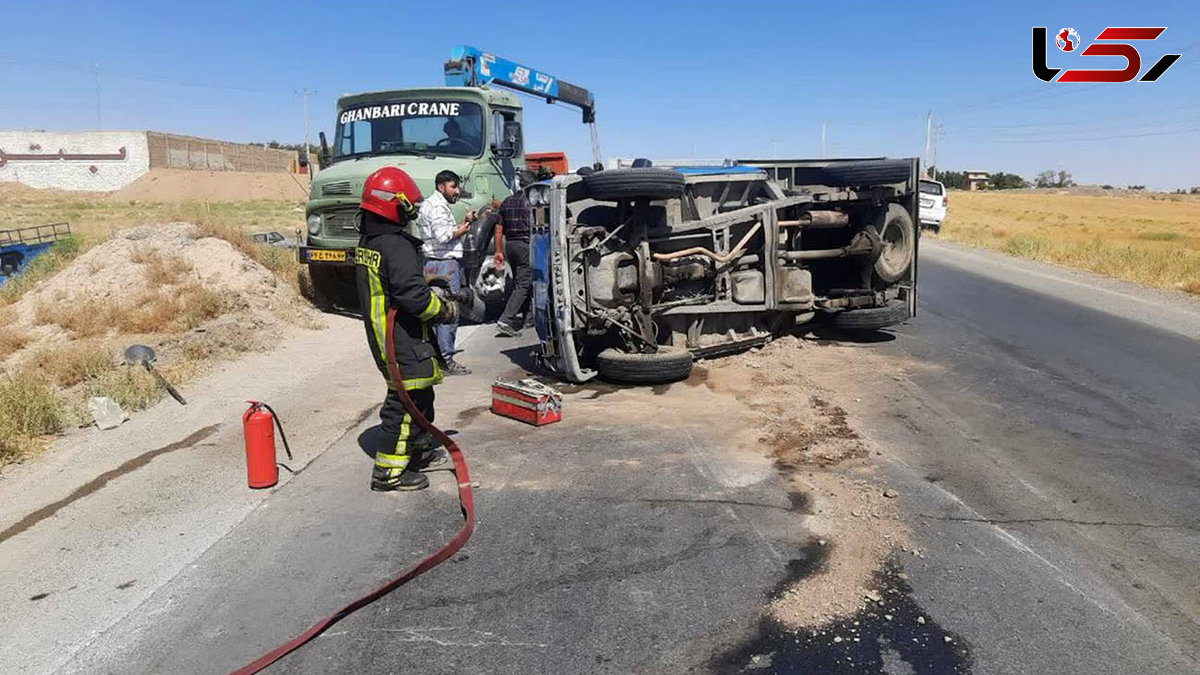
<point>391,193</point>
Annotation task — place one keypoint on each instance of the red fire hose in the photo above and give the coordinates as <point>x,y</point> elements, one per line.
<point>466,499</point>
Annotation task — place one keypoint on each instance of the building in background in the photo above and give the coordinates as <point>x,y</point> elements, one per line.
<point>977,180</point>
<point>104,161</point>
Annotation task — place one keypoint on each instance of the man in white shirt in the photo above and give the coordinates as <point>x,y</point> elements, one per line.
<point>442,235</point>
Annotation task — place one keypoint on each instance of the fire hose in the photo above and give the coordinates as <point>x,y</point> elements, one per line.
<point>466,500</point>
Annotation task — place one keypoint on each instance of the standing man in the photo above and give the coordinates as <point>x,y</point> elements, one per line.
<point>390,275</point>
<point>512,244</point>
<point>442,235</point>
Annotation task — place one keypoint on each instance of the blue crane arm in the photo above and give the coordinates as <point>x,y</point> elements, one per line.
<point>471,67</point>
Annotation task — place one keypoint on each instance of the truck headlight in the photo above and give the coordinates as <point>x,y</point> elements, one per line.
<point>314,224</point>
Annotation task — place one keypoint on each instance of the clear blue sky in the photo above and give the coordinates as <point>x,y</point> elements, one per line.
<point>691,79</point>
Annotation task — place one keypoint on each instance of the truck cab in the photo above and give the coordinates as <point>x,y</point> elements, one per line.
<point>472,131</point>
<point>471,126</point>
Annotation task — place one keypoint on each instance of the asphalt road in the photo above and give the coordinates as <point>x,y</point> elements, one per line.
<point>1043,438</point>
<point>1050,442</point>
<point>601,541</point>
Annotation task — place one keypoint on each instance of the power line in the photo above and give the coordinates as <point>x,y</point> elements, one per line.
<point>1069,123</point>
<point>74,67</point>
<point>1064,139</point>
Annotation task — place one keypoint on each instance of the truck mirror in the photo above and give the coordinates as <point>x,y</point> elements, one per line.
<point>323,156</point>
<point>510,141</point>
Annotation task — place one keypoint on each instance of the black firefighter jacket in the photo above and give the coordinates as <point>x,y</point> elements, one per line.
<point>390,273</point>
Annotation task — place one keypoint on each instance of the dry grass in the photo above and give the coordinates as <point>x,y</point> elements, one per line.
<point>281,261</point>
<point>11,340</point>
<point>132,387</point>
<point>52,392</point>
<point>73,363</point>
<point>50,389</point>
<point>30,410</point>
<point>1149,240</point>
<point>165,309</point>
<point>95,218</point>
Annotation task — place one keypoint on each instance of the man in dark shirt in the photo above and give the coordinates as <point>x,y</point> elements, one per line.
<point>512,244</point>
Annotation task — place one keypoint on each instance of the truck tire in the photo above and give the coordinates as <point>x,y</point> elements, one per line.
<point>618,184</point>
<point>874,172</point>
<point>668,364</point>
<point>872,318</point>
<point>899,238</point>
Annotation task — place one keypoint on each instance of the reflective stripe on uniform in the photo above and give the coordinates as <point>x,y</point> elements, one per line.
<point>432,309</point>
<point>392,461</point>
<point>402,454</point>
<point>378,311</point>
<point>423,382</point>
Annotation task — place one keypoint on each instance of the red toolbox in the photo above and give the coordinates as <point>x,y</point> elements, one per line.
<point>529,401</point>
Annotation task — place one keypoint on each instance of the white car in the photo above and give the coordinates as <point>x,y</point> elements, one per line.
<point>934,203</point>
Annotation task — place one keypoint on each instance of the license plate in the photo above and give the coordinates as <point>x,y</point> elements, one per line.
<point>327,256</point>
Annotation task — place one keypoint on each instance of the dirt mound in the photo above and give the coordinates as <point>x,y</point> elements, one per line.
<point>182,185</point>
<point>153,280</point>
<point>11,191</point>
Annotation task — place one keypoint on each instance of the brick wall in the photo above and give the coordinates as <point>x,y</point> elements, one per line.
<point>186,152</point>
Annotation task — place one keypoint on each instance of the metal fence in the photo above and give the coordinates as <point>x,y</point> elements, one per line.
<point>185,152</point>
<point>38,234</point>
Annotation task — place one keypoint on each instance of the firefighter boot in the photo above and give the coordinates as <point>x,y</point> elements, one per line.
<point>426,453</point>
<point>387,479</point>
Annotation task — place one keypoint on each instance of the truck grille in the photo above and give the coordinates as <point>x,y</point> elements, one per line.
<point>341,187</point>
<point>341,223</point>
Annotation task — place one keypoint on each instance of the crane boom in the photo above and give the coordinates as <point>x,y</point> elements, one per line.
<point>472,67</point>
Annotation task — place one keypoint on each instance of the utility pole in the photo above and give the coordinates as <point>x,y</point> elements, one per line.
<point>928,134</point>
<point>938,134</point>
<point>97,68</point>
<point>307,156</point>
<point>824,123</point>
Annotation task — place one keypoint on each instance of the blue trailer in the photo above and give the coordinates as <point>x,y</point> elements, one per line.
<point>19,247</point>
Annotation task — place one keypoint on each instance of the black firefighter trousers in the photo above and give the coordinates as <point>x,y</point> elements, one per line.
<point>397,423</point>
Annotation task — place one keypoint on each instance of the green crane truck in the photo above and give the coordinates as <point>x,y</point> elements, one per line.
<point>470,126</point>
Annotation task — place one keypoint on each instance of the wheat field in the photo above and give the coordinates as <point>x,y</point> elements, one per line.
<point>1153,239</point>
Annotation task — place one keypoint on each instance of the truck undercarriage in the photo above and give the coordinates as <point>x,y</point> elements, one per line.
<point>638,271</point>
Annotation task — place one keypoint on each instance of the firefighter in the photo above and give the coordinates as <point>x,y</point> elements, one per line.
<point>390,274</point>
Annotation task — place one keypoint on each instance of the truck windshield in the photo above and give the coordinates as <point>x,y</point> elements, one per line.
<point>410,127</point>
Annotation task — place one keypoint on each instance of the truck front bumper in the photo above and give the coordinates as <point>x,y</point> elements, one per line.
<point>338,257</point>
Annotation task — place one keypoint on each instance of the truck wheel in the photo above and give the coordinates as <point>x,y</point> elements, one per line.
<point>617,184</point>
<point>898,238</point>
<point>668,364</point>
<point>858,173</point>
<point>872,318</point>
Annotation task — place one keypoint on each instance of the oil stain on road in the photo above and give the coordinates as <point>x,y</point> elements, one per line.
<point>103,479</point>
<point>892,630</point>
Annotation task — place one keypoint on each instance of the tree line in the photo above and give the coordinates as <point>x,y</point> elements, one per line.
<point>1046,179</point>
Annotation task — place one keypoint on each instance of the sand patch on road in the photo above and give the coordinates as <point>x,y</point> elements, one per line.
<point>826,465</point>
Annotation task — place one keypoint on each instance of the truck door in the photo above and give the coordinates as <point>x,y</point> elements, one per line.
<point>513,158</point>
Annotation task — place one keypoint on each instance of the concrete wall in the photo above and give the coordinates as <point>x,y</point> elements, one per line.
<point>105,161</point>
<point>85,160</point>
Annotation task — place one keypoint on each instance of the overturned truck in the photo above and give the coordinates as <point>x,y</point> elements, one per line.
<point>639,271</point>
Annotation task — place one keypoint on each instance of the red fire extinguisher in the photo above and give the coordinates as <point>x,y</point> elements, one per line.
<point>261,471</point>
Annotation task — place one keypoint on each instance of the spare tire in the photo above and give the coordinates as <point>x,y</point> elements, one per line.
<point>899,244</point>
<point>618,184</point>
<point>871,318</point>
<point>870,172</point>
<point>668,364</point>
